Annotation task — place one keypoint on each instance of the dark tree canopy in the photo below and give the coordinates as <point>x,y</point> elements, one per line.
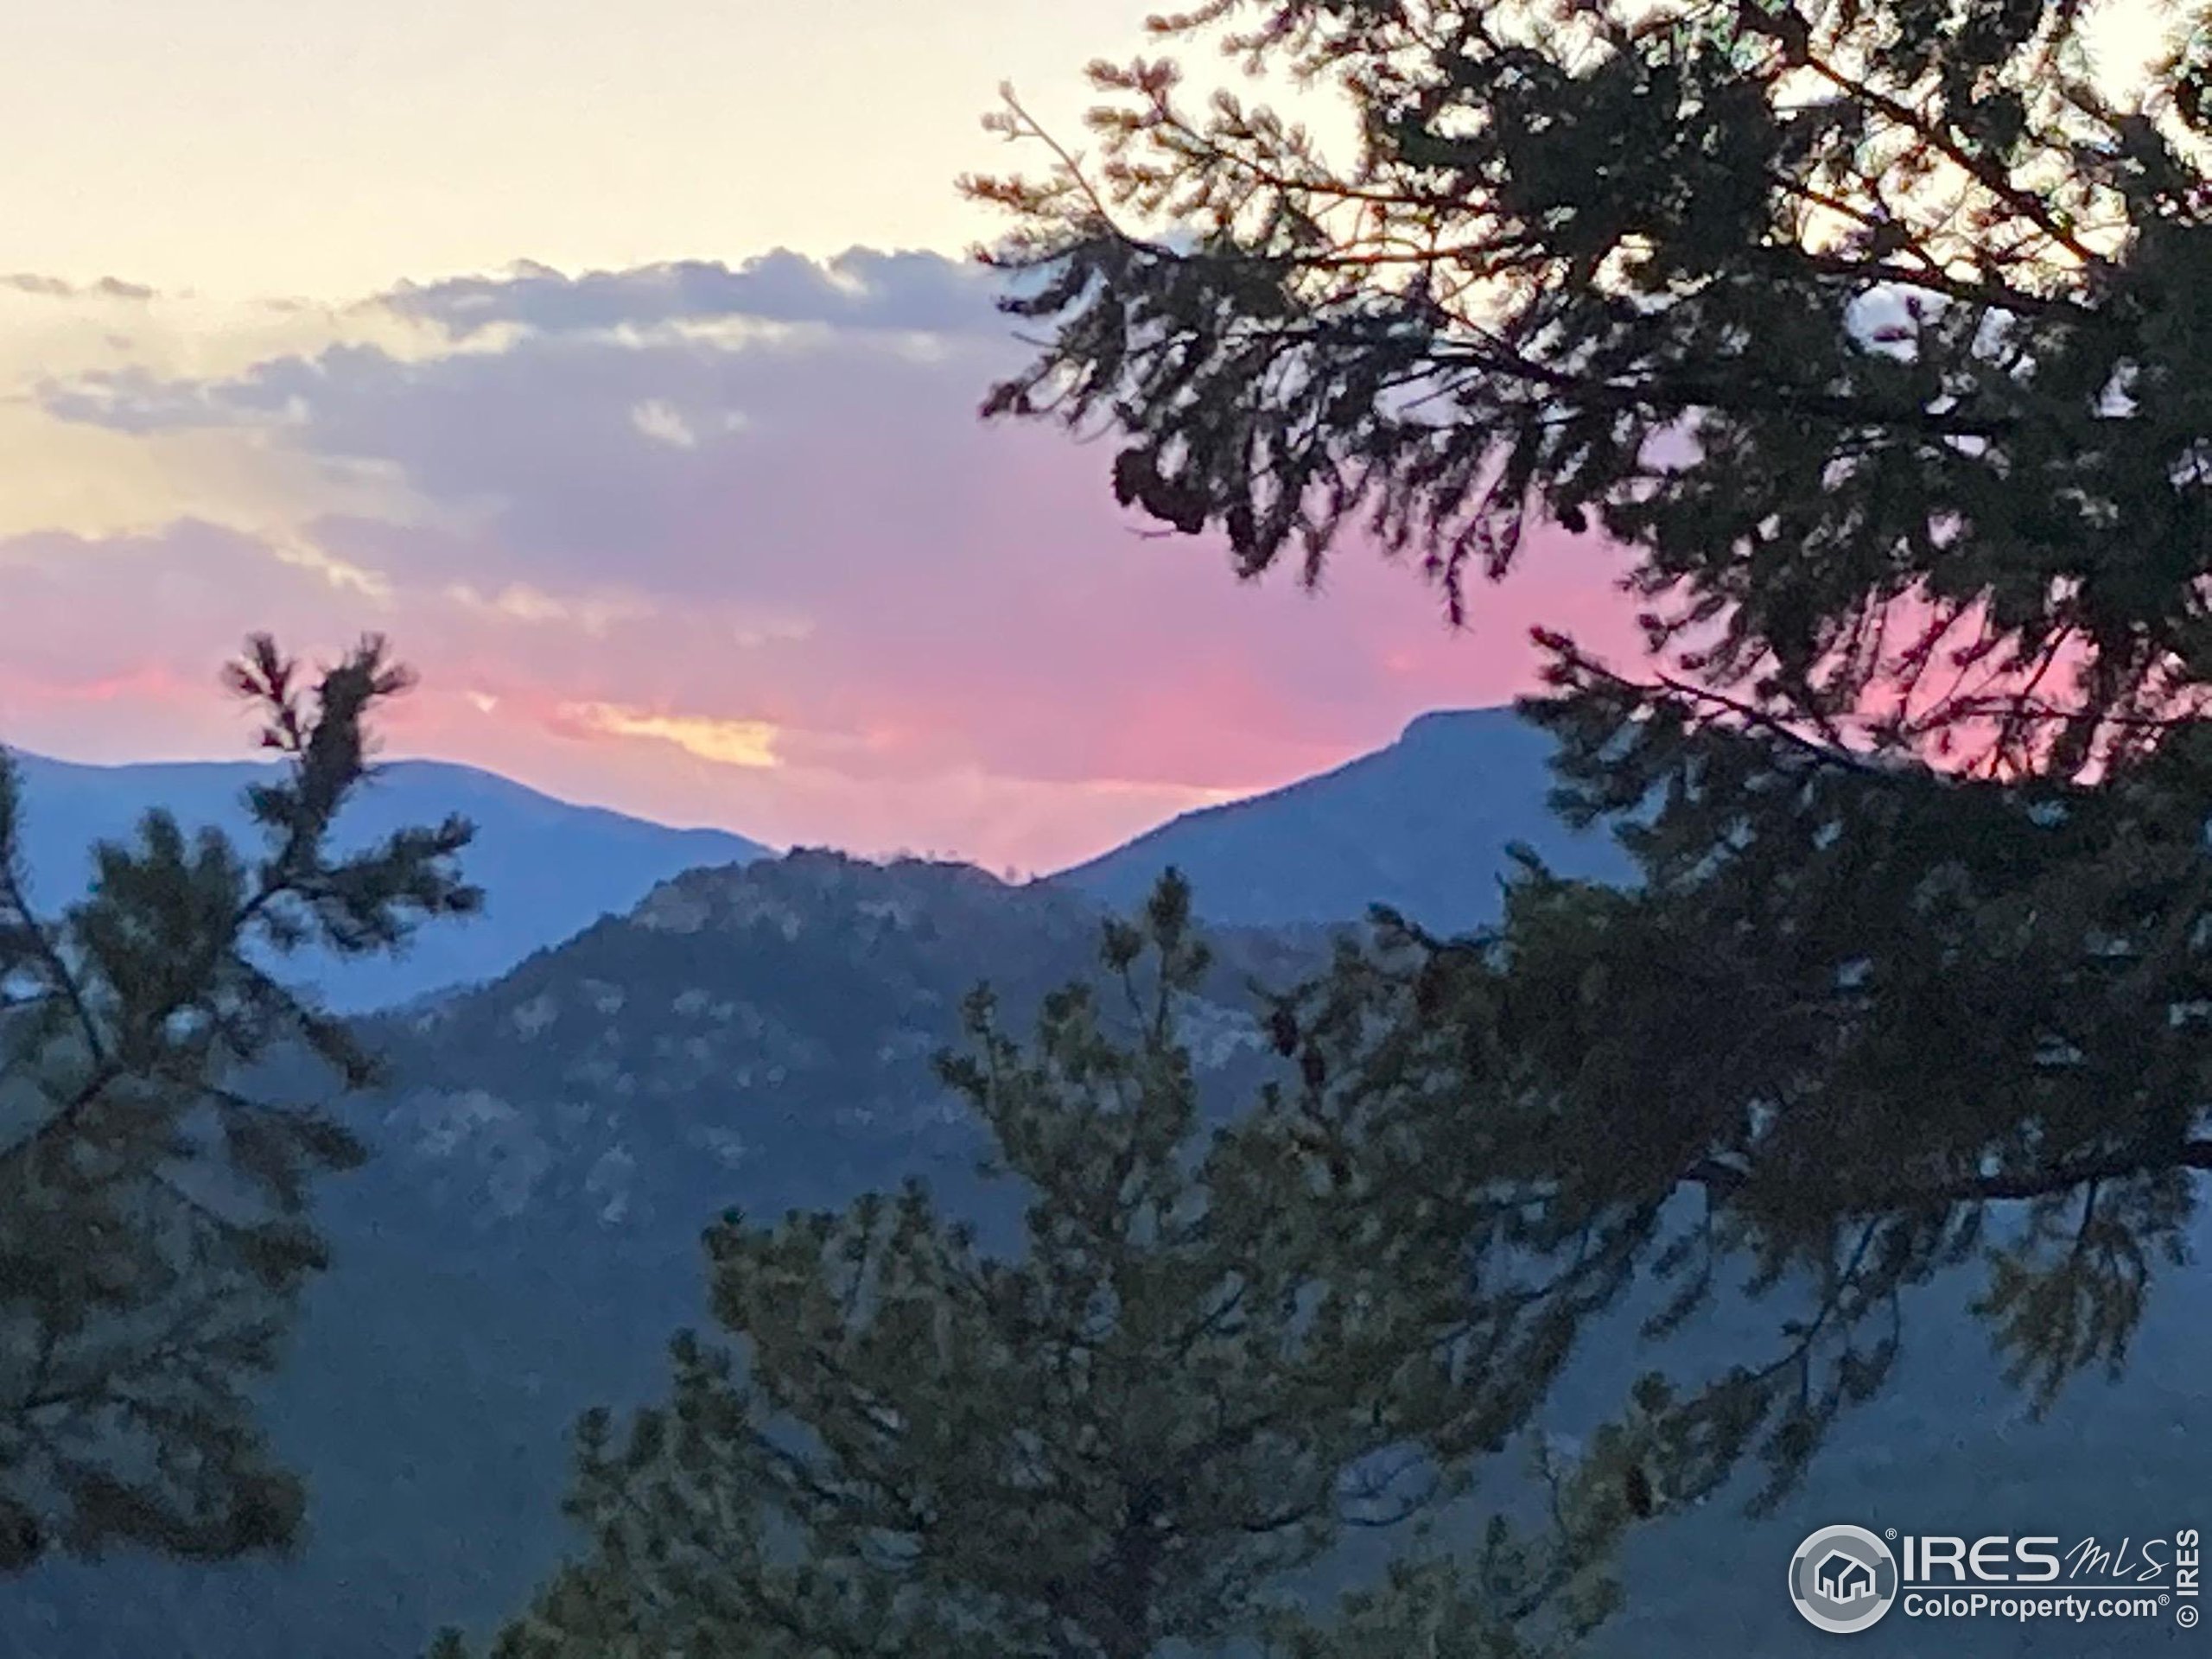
<point>155,1227</point>
<point>1130,1438</point>
<point>1876,330</point>
<point>1878,336</point>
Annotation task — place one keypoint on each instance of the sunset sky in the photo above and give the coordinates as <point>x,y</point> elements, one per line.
<point>620,363</point>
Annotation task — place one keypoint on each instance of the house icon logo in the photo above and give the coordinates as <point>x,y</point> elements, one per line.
<point>1843,1579</point>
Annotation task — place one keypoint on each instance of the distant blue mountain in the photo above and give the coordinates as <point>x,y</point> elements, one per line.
<point>548,868</point>
<point>1422,826</point>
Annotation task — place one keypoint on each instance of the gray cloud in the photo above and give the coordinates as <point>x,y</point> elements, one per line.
<point>599,439</point>
<point>133,400</point>
<point>107,287</point>
<point>859,288</point>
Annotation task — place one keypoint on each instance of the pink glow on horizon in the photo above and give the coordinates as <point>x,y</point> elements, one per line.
<point>810,600</point>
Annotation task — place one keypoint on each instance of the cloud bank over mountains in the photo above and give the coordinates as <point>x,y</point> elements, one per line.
<point>862,288</point>
<point>715,542</point>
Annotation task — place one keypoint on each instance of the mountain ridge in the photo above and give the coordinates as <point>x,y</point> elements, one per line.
<point>548,867</point>
<point>1422,824</point>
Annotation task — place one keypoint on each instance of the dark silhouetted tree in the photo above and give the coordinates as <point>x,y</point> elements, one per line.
<point>1878,339</point>
<point>155,1231</point>
<point>1126,1440</point>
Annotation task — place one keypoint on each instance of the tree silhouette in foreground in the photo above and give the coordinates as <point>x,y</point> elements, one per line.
<point>1877,337</point>
<point>1128,1439</point>
<point>155,1231</point>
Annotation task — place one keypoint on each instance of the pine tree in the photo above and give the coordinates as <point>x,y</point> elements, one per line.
<point>1128,1439</point>
<point>155,1226</point>
<point>1877,337</point>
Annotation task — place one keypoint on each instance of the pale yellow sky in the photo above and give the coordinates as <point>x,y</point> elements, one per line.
<point>306,147</point>
<point>257,147</point>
